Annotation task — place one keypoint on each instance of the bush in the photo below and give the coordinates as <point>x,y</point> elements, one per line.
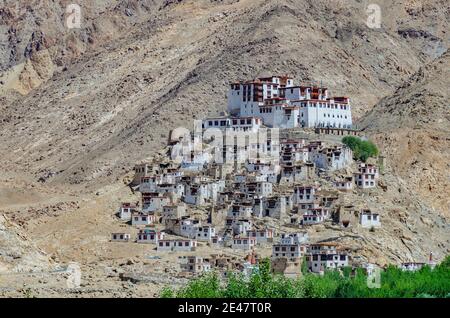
<point>362,149</point>
<point>394,283</point>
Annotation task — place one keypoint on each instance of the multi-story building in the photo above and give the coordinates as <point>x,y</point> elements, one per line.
<point>294,238</point>
<point>281,104</point>
<point>323,256</point>
<point>367,176</point>
<point>149,235</point>
<point>305,194</point>
<point>274,207</point>
<point>244,98</point>
<point>175,211</point>
<point>141,218</point>
<point>194,264</point>
<point>332,158</point>
<point>152,202</point>
<point>290,251</point>
<point>297,172</point>
<point>126,210</point>
<point>262,236</point>
<point>315,216</point>
<point>205,233</point>
<point>345,184</point>
<point>243,243</point>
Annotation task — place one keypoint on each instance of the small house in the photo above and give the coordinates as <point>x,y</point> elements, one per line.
<point>243,243</point>
<point>120,237</point>
<point>176,245</point>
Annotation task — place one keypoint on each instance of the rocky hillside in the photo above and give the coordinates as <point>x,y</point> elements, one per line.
<point>86,103</point>
<point>19,254</point>
<point>412,126</point>
<point>79,107</point>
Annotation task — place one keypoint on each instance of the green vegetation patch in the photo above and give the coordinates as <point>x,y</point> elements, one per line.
<point>394,282</point>
<point>362,149</point>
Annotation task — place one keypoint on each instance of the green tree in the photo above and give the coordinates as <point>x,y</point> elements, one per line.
<point>362,149</point>
<point>346,283</point>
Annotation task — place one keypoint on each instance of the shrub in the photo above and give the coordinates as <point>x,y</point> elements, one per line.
<point>362,149</point>
<point>394,283</point>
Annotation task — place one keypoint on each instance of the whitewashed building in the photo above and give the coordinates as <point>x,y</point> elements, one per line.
<point>323,256</point>
<point>258,189</point>
<point>345,184</point>
<point>311,219</point>
<point>188,228</point>
<point>291,174</point>
<point>332,158</point>
<point>315,216</point>
<point>126,209</point>
<point>199,193</point>
<point>175,190</point>
<point>240,227</point>
<point>261,236</point>
<point>205,233</point>
<point>368,219</point>
<point>233,123</point>
<point>274,207</point>
<point>289,250</point>
<point>243,243</point>
<point>305,194</point>
<point>281,104</point>
<point>148,235</point>
<point>141,170</point>
<point>412,266</point>
<point>294,238</point>
<point>176,211</point>
<point>148,184</point>
<point>152,202</point>
<point>176,245</point>
<point>142,219</point>
<point>240,210</point>
<point>194,264</point>
<point>367,176</point>
<point>120,237</point>
<point>244,98</point>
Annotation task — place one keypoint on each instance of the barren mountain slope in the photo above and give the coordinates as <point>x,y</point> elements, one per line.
<point>119,83</point>
<point>412,126</point>
<point>79,107</point>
